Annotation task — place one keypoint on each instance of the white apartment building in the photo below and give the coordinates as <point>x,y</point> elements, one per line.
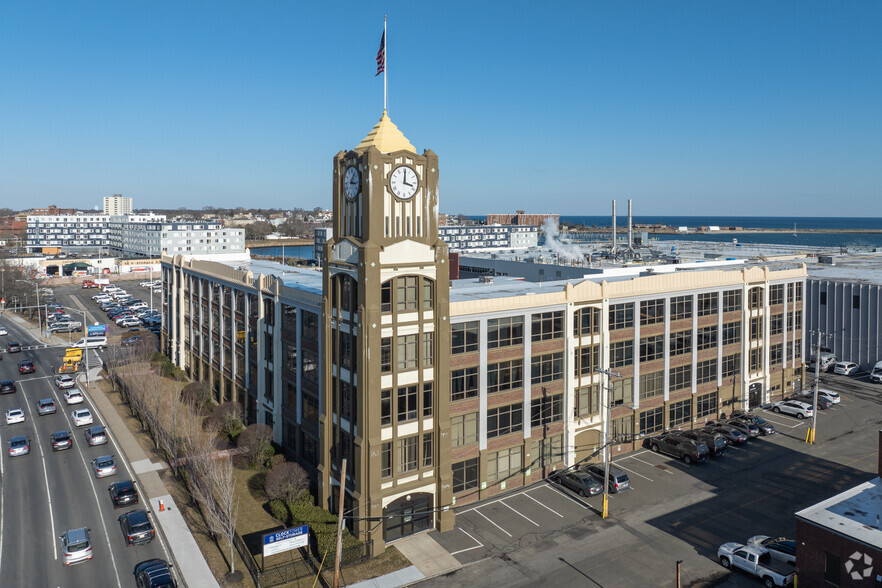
<point>488,237</point>
<point>117,204</point>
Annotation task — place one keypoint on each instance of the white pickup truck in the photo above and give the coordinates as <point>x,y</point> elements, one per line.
<point>756,560</point>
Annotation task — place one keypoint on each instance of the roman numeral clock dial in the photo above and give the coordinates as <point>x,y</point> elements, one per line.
<point>403,182</point>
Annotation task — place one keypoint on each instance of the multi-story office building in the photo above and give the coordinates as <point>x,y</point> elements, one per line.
<point>117,205</point>
<point>488,238</point>
<point>320,236</point>
<point>438,394</point>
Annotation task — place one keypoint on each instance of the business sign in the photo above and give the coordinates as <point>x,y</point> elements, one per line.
<point>286,540</point>
<point>97,331</point>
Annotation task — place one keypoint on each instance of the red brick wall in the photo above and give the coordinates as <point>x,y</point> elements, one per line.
<point>812,546</point>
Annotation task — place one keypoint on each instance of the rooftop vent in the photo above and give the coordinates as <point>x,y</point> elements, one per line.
<point>485,279</point>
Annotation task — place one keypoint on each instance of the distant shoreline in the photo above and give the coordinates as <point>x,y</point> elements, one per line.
<point>667,230</point>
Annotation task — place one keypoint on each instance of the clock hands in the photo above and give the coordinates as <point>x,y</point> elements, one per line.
<point>404,181</point>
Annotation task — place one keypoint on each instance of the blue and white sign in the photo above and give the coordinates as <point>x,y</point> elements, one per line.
<point>286,540</point>
<point>97,330</point>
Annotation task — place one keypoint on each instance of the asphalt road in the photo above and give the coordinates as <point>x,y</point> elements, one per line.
<point>47,492</point>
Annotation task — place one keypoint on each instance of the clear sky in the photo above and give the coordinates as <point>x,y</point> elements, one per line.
<point>688,107</point>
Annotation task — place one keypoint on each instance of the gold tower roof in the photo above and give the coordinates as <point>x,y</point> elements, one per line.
<point>386,137</point>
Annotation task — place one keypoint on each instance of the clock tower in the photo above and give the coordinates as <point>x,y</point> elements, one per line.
<point>386,342</point>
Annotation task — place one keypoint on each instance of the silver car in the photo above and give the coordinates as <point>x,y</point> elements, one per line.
<point>19,445</point>
<point>75,546</point>
<point>104,466</point>
<point>796,408</point>
<point>96,435</point>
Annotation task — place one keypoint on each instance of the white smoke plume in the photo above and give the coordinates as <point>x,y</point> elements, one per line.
<point>566,251</point>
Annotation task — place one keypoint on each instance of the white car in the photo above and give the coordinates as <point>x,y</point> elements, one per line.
<point>796,408</point>
<point>64,382</point>
<point>73,396</point>
<point>3,331</point>
<point>81,417</point>
<point>846,368</point>
<point>128,322</point>
<point>15,415</point>
<point>830,395</point>
<point>146,283</point>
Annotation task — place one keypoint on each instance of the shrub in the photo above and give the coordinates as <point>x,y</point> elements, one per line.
<point>197,395</point>
<point>278,510</point>
<point>276,460</point>
<point>286,481</point>
<point>255,444</point>
<point>228,418</point>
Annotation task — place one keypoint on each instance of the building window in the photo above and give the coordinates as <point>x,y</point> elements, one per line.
<point>681,342</point>
<point>621,354</point>
<point>386,407</point>
<point>428,294</point>
<point>652,384</point>
<point>652,420</point>
<point>681,307</point>
<point>652,348</point>
<point>428,349</point>
<point>505,332</point>
<point>407,454</point>
<point>822,298</point>
<point>407,403</point>
<point>652,311</point>
<point>586,321</point>
<point>587,401</point>
<point>622,429</point>
<point>707,337</point>
<point>680,377</point>
<point>544,411</point>
<point>385,355</point>
<point>463,383</point>
<point>505,375</point>
<point>547,325</point>
<point>406,293</point>
<point>776,324</point>
<point>386,460</point>
<point>731,300</point>
<point>731,363</point>
<point>587,360</point>
<point>427,450</point>
<point>680,412</point>
<point>776,294</point>
<point>799,292</point>
<point>622,391</point>
<point>797,344</point>
<point>706,405</point>
<point>546,368</point>
<point>707,303</point>
<point>755,298</point>
<point>504,420</point>
<point>706,371</point>
<point>776,354</point>
<point>407,352</point>
<point>503,464</point>
<point>465,475</point>
<point>731,333</point>
<point>832,569</point>
<point>756,328</point>
<point>386,297</point>
<point>464,337</point>
<point>621,316</point>
<point>464,429</point>
<point>756,359</point>
<point>428,393</point>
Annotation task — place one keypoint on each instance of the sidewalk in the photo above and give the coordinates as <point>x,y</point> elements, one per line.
<point>191,567</point>
<point>429,559</point>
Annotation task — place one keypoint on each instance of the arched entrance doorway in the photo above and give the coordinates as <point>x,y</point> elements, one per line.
<point>408,515</point>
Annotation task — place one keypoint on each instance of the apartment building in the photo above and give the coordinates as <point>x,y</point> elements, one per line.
<point>117,205</point>
<point>463,238</point>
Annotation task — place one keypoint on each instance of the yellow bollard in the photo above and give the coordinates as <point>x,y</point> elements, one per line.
<point>605,512</point>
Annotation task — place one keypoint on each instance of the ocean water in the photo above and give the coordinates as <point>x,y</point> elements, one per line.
<point>752,222</point>
<point>301,251</point>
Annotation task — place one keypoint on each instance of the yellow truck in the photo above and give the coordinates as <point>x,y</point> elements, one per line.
<point>71,361</point>
<point>73,354</point>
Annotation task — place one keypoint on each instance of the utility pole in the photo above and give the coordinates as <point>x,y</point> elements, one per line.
<point>810,436</point>
<point>607,441</point>
<point>340,525</point>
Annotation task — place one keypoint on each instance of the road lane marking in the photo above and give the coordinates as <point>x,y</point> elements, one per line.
<point>527,494</point>
<point>45,477</point>
<point>523,515</point>
<point>478,546</point>
<point>492,523</point>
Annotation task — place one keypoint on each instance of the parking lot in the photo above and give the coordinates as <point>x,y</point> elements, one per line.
<point>674,511</point>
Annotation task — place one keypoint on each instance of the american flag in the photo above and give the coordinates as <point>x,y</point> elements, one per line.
<point>381,55</point>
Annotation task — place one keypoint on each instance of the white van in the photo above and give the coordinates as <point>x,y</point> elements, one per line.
<point>876,374</point>
<point>94,342</point>
<point>828,360</point>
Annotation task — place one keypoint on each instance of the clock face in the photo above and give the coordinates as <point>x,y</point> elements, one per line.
<point>350,182</point>
<point>404,182</point>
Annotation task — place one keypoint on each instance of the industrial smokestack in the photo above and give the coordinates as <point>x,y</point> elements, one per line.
<point>630,230</point>
<point>614,228</point>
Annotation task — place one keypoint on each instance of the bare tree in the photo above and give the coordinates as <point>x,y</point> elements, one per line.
<point>286,481</point>
<point>255,442</point>
<point>215,489</point>
<point>172,425</point>
<point>228,417</point>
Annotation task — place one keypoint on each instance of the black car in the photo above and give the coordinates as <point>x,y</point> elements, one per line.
<point>14,347</point>
<point>715,442</point>
<point>7,387</point>
<point>26,367</point>
<point>764,426</point>
<point>136,527</point>
<point>61,440</point>
<point>154,573</point>
<point>123,493</point>
<point>749,429</point>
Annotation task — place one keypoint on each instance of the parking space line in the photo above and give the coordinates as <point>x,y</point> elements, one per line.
<point>619,463</point>
<point>478,546</point>
<point>568,496</point>
<point>492,523</point>
<point>654,465</point>
<point>527,494</point>
<point>515,510</point>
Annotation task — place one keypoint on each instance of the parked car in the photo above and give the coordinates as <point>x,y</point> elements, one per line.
<point>680,447</point>
<point>19,445</point>
<point>7,386</point>
<point>748,428</point>
<point>846,368</point>
<point>732,435</point>
<point>130,321</point>
<point>154,573</point>
<point>828,360</point>
<point>582,483</point>
<point>830,395</point>
<point>875,375</point>
<point>764,426</point>
<point>136,527</point>
<point>61,440</point>
<point>15,415</point>
<point>75,546</point>
<point>14,347</point>
<point>780,547</point>
<point>131,341</point>
<point>45,406</point>
<point>104,466</point>
<point>618,478</point>
<point>796,408</point>
<point>123,493</point>
<point>81,417</point>
<point>757,561</point>
<point>96,435</point>
<point>64,382</point>
<point>715,442</point>
<point>26,367</point>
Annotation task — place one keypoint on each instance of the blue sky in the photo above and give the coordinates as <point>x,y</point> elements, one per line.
<point>688,107</point>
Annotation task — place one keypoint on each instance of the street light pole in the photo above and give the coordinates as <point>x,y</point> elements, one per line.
<point>607,439</point>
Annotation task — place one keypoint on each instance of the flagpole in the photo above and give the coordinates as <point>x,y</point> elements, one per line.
<point>386,62</point>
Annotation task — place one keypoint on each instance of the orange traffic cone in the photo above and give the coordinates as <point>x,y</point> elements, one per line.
<point>161,506</point>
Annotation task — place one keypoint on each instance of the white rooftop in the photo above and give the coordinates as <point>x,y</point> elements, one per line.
<point>854,513</point>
